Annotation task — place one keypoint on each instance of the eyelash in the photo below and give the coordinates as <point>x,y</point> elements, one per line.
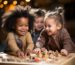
<point>47,26</point>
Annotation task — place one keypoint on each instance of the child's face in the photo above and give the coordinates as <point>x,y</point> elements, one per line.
<point>51,26</point>
<point>21,26</point>
<point>38,24</point>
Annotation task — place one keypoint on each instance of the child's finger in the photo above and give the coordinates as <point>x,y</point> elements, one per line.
<point>64,52</point>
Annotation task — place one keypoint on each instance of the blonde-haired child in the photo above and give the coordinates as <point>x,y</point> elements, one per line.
<point>55,36</point>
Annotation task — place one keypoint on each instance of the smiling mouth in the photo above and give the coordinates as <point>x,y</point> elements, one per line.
<point>22,31</point>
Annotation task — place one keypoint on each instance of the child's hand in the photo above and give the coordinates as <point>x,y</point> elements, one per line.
<point>64,52</point>
<point>20,54</point>
<point>43,49</point>
<point>28,51</point>
<point>36,50</point>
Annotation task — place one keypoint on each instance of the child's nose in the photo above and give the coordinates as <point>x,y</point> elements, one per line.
<point>39,24</point>
<point>24,27</point>
<point>47,28</point>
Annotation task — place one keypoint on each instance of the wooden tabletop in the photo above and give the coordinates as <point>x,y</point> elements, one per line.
<point>68,60</point>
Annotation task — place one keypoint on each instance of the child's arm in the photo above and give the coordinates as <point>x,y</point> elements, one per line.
<point>67,42</point>
<point>13,46</point>
<point>41,41</point>
<point>12,43</point>
<point>29,41</point>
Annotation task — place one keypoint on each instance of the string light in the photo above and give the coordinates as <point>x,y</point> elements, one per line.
<point>11,7</point>
<point>1,5</point>
<point>5,2</point>
<point>15,2</point>
<point>27,0</point>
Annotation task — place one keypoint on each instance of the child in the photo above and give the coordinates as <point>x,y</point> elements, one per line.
<point>38,24</point>
<point>19,38</point>
<point>55,36</point>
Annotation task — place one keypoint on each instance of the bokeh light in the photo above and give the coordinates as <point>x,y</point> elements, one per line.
<point>27,0</point>
<point>15,2</point>
<point>0,1</point>
<point>5,2</point>
<point>1,5</point>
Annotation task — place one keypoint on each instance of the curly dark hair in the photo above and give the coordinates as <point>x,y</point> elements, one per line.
<point>18,13</point>
<point>40,13</point>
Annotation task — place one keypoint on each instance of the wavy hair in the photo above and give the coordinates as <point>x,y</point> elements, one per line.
<point>10,22</point>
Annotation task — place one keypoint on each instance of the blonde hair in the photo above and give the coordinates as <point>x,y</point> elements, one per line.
<point>55,15</point>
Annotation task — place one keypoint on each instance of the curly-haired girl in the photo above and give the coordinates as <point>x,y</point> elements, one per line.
<point>19,38</point>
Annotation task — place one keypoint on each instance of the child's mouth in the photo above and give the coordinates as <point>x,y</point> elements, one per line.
<point>22,32</point>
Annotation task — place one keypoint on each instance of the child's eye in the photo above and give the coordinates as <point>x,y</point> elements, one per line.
<point>45,25</point>
<point>26,25</point>
<point>20,25</point>
<point>41,21</point>
<point>49,25</point>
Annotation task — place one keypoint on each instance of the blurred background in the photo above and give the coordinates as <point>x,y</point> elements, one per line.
<point>69,8</point>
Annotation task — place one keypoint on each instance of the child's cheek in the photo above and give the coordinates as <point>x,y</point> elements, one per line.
<point>19,28</point>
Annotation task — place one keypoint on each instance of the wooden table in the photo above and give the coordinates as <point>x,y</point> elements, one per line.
<point>69,60</point>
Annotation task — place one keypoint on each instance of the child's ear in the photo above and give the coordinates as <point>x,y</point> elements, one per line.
<point>59,26</point>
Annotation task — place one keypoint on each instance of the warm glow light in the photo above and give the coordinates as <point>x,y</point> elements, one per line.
<point>14,2</point>
<point>27,0</point>
<point>1,5</point>
<point>0,1</point>
<point>5,2</point>
<point>11,7</point>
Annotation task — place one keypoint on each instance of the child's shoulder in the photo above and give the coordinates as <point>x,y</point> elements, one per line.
<point>63,30</point>
<point>28,33</point>
<point>10,34</point>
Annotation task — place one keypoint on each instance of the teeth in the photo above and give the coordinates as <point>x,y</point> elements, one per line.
<point>22,32</point>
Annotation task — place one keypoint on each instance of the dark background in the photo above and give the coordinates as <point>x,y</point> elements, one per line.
<point>69,8</point>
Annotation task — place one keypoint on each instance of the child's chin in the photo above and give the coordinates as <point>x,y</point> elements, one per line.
<point>22,34</point>
<point>49,34</point>
<point>39,29</point>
